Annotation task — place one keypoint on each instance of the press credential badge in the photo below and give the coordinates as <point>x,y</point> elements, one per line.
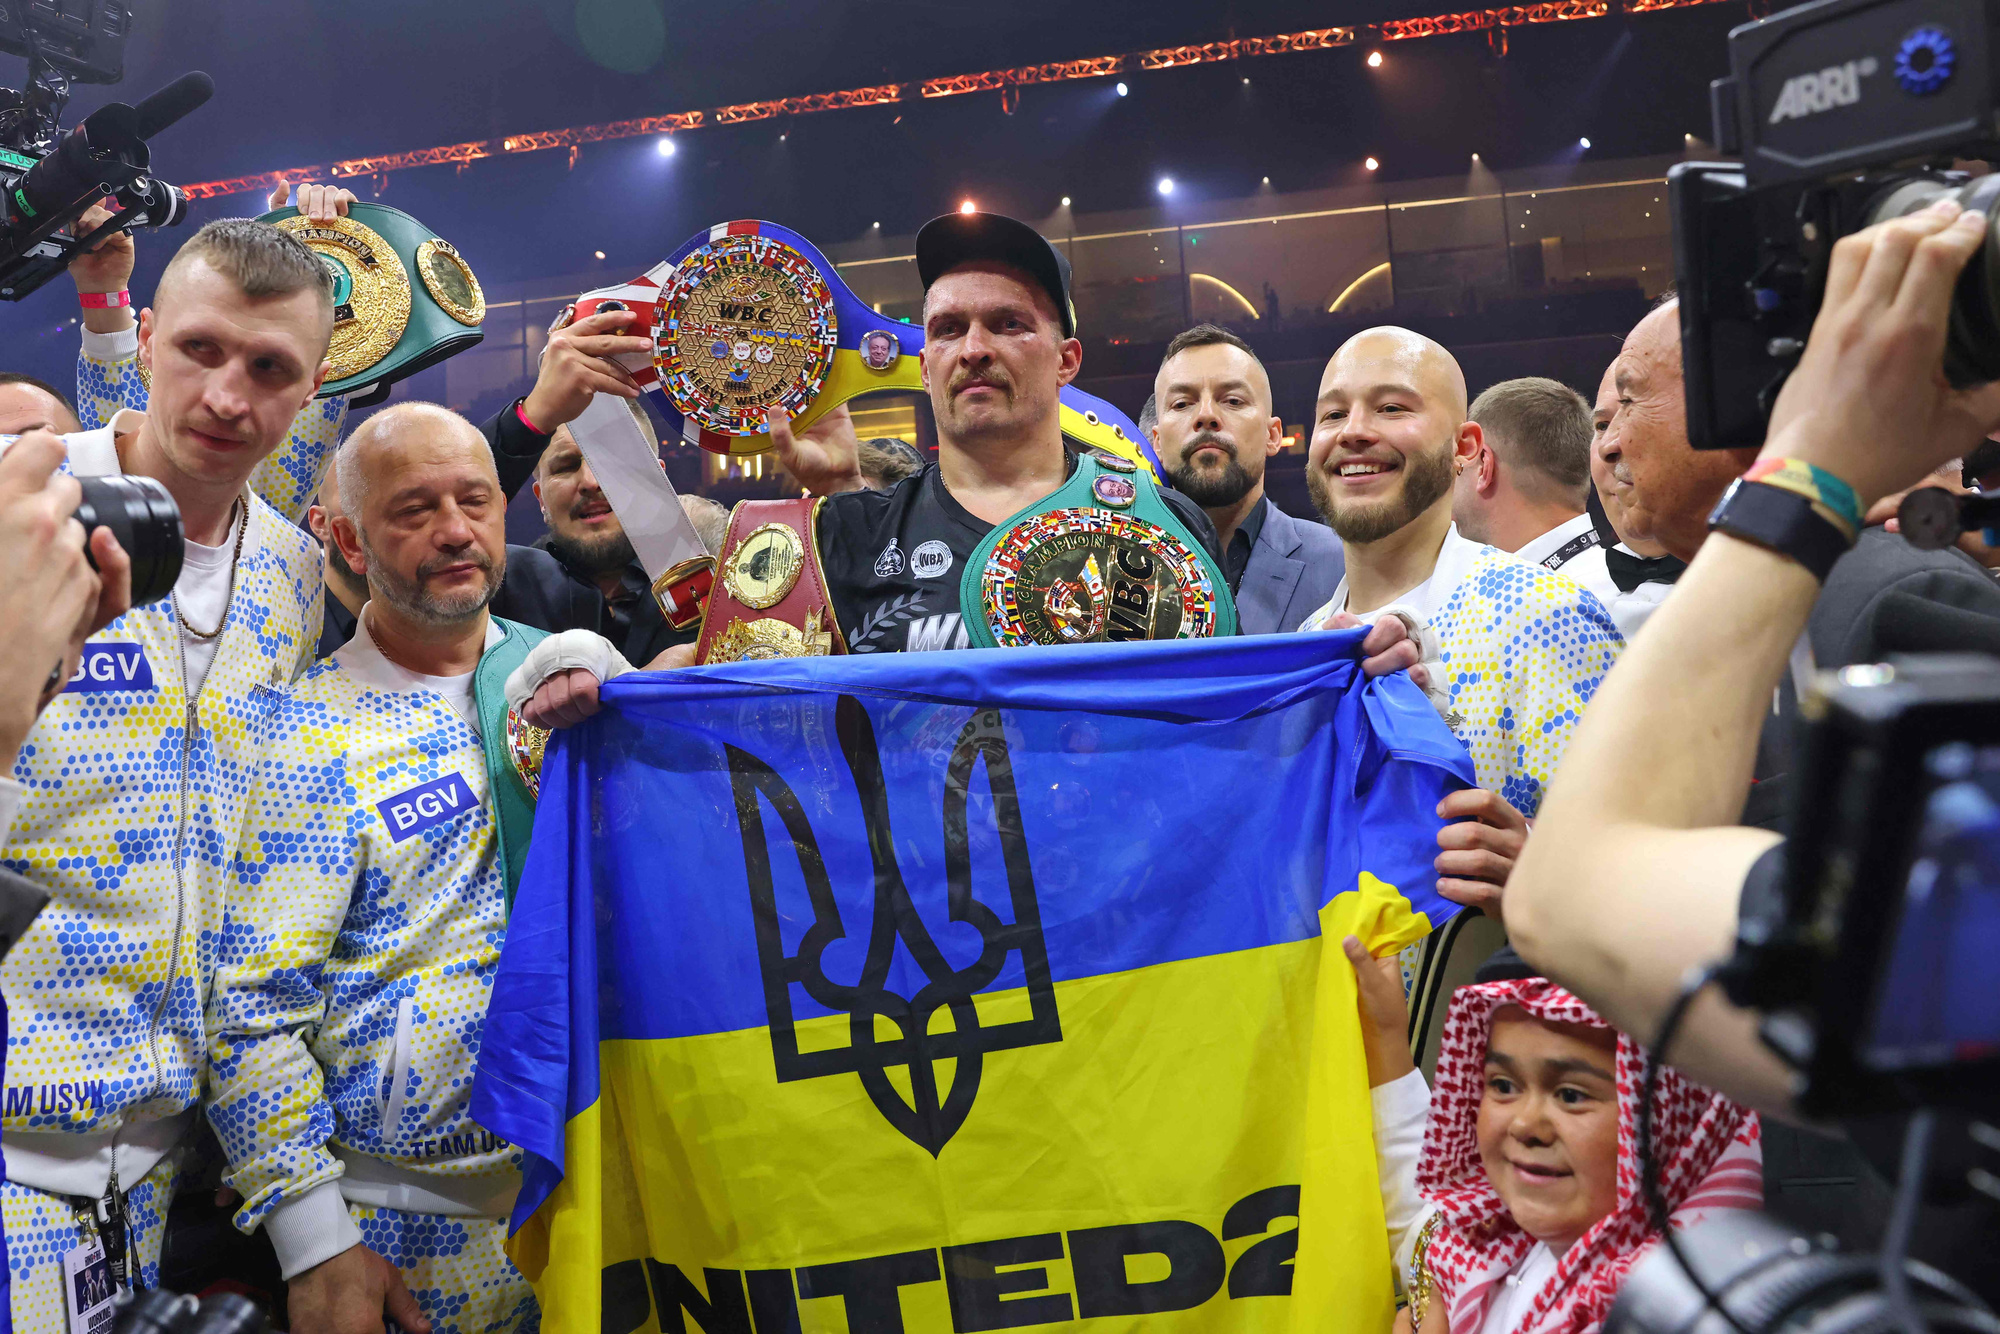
<point>88,1289</point>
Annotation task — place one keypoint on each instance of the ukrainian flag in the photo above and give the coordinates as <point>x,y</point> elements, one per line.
<point>965,991</point>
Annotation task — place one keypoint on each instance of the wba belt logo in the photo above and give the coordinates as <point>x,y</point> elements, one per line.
<point>932,1114</point>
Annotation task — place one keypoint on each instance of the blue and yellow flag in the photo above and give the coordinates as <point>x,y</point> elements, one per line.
<point>965,991</point>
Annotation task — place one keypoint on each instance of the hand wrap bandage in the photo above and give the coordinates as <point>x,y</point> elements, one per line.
<point>572,650</point>
<point>1430,654</point>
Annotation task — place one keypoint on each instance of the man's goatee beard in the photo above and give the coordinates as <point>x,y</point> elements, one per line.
<point>1212,490</point>
<point>1427,478</point>
<point>604,555</point>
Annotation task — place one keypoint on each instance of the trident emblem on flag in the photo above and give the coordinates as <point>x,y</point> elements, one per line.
<point>932,1114</point>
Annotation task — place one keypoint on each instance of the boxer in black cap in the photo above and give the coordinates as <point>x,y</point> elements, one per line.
<point>999,343</point>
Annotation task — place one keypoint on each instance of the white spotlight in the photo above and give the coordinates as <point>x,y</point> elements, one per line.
<point>664,146</point>
<point>1374,60</point>
<point>599,253</point>
<point>1122,89</point>
<point>967,207</point>
<point>1065,201</point>
<point>1583,143</point>
<point>1370,163</point>
<point>1166,185</point>
<point>878,226</point>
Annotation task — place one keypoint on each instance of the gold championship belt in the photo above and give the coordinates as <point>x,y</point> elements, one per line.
<point>1102,560</point>
<point>745,317</point>
<point>769,599</point>
<point>749,315</point>
<point>526,744</point>
<point>403,299</point>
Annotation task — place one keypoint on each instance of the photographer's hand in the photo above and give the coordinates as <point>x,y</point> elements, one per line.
<point>1636,866</point>
<point>50,594</point>
<point>351,1294</point>
<point>1868,401</point>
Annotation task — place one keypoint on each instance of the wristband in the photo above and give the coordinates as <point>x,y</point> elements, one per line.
<point>1781,520</point>
<point>104,300</point>
<point>521,413</point>
<point>1835,498</point>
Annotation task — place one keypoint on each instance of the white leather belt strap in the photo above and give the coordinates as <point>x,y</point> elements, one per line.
<point>626,462</point>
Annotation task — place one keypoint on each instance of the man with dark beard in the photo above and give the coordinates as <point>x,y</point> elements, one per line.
<point>590,545</point>
<point>1215,428</point>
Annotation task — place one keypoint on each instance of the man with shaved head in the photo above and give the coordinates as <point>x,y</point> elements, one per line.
<point>536,592</point>
<point>378,858</point>
<point>1514,650</point>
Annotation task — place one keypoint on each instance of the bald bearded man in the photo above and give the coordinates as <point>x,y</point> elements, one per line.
<point>1515,650</point>
<point>380,852</point>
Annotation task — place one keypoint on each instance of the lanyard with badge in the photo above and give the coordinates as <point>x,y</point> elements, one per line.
<point>96,1269</point>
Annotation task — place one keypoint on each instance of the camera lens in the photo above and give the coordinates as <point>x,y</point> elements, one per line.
<point>1972,345</point>
<point>146,522</point>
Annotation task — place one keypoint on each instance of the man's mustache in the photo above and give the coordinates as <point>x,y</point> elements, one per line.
<point>436,563</point>
<point>1205,439</point>
<point>965,379</point>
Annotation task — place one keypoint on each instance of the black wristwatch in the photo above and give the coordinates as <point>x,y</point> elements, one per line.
<point>1781,521</point>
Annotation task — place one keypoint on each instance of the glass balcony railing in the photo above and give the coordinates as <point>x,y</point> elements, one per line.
<point>1269,262</point>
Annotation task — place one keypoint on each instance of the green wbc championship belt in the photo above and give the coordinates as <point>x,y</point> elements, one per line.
<point>403,298</point>
<point>1102,560</point>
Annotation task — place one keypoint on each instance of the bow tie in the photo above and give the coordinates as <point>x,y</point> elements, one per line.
<point>1628,572</point>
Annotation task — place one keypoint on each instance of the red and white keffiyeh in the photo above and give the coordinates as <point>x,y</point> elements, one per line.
<point>1706,1157</point>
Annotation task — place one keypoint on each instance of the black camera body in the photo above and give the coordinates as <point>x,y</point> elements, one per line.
<point>47,177</point>
<point>1874,964</point>
<point>1844,112</point>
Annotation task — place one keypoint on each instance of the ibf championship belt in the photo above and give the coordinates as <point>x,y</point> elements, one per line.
<point>769,599</point>
<point>1102,560</point>
<point>403,298</point>
<point>749,315</point>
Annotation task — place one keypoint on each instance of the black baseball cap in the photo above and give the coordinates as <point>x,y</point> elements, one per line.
<point>952,239</point>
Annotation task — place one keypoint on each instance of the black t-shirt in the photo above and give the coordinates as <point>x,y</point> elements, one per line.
<point>894,558</point>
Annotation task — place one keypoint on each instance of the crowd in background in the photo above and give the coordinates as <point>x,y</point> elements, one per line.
<point>256,999</point>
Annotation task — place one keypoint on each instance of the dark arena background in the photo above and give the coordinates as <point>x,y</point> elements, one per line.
<point>1294,170</point>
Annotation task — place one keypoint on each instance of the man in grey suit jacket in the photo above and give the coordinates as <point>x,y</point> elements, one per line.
<point>1215,428</point>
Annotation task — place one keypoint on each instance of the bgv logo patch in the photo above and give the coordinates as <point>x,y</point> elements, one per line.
<point>112,667</point>
<point>426,806</point>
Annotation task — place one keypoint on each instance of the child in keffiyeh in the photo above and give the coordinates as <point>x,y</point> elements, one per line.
<point>1512,1193</point>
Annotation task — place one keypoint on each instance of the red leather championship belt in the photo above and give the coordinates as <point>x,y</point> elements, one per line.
<point>769,598</point>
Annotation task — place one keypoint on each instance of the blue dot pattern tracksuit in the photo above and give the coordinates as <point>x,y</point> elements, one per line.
<point>134,804</point>
<point>355,965</point>
<point>1523,650</point>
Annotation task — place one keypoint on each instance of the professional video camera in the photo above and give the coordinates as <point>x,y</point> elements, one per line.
<point>48,178</point>
<point>1873,967</point>
<point>1845,113</point>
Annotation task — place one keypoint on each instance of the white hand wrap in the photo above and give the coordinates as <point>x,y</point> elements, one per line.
<point>572,650</point>
<point>1429,653</point>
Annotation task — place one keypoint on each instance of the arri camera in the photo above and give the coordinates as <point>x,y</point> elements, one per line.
<point>48,177</point>
<point>1844,113</point>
